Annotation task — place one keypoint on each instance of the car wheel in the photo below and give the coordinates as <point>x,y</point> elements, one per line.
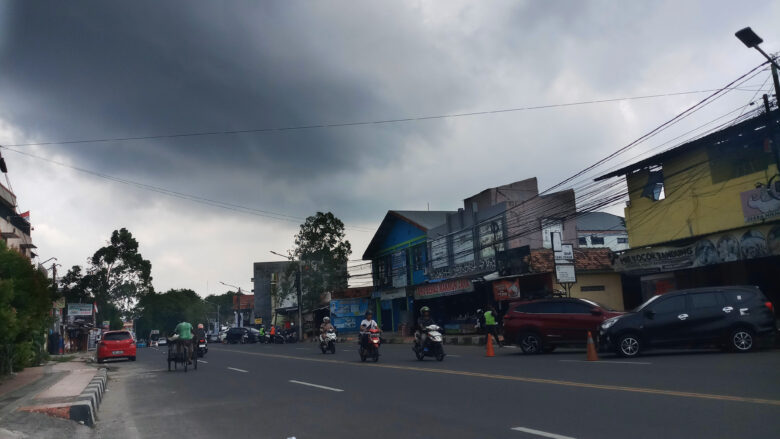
<point>628,345</point>
<point>530,343</point>
<point>100,360</point>
<point>741,340</point>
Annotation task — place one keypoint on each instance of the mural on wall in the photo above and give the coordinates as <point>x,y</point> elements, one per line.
<point>760,204</point>
<point>744,244</point>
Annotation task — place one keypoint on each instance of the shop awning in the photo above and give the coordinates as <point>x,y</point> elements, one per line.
<point>445,288</point>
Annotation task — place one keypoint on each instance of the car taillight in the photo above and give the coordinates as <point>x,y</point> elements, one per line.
<point>768,304</point>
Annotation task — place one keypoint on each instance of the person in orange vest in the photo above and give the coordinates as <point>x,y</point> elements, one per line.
<point>272,334</point>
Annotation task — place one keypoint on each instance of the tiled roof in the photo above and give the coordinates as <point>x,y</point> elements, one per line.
<point>585,259</point>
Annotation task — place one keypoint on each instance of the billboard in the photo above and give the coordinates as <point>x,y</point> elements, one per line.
<point>346,314</point>
<point>80,309</point>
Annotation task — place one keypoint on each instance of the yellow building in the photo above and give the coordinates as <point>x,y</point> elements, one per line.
<point>706,213</point>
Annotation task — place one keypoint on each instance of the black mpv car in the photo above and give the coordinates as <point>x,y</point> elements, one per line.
<point>734,317</point>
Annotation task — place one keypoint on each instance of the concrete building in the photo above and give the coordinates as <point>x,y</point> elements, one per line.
<point>602,230</point>
<point>14,227</point>
<point>270,285</point>
<point>706,213</point>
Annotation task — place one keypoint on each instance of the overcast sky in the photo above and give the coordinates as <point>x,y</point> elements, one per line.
<point>87,70</point>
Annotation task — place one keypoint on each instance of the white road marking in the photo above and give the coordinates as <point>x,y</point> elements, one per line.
<point>607,362</point>
<point>453,355</point>
<point>541,433</point>
<point>347,350</point>
<point>201,361</point>
<point>332,389</point>
<point>301,349</point>
<point>238,370</point>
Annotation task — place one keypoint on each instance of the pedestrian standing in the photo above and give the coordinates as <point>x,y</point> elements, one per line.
<point>491,325</point>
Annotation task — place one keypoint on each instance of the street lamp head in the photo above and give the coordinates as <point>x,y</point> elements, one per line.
<point>748,37</point>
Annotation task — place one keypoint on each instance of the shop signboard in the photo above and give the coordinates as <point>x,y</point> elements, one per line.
<point>463,247</point>
<point>59,303</point>
<point>445,288</point>
<point>737,245</point>
<point>565,274</point>
<point>399,269</point>
<point>439,256</point>
<point>466,268</point>
<point>565,255</point>
<point>397,293</point>
<point>80,309</point>
<point>506,289</point>
<point>258,320</point>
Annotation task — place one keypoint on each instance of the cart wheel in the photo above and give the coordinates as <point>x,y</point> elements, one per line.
<point>175,365</point>
<point>169,365</point>
<point>195,363</point>
<point>185,366</point>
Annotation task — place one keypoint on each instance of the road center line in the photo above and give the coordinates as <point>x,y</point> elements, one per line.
<point>332,389</point>
<point>238,370</point>
<point>612,387</point>
<point>541,433</point>
<point>606,362</point>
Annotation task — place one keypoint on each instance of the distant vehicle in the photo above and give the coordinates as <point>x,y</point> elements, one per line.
<point>162,341</point>
<point>542,325</point>
<point>213,337</point>
<point>242,335</point>
<point>733,317</point>
<point>116,344</point>
<point>434,346</point>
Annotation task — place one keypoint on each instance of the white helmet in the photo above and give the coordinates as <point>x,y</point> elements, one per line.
<point>326,320</point>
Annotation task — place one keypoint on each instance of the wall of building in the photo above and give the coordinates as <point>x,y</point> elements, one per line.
<point>611,295</point>
<point>692,206</point>
<point>524,219</point>
<point>262,287</point>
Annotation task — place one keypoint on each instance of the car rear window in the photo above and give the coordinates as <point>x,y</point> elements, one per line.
<point>116,336</point>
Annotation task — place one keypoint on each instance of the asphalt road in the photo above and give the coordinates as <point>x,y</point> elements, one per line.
<point>271,391</point>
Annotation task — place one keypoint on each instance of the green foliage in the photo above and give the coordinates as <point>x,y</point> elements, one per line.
<point>323,252</point>
<point>164,311</point>
<point>25,301</point>
<point>117,277</point>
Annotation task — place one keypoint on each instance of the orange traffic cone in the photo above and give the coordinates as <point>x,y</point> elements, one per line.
<point>592,355</point>
<point>489,344</point>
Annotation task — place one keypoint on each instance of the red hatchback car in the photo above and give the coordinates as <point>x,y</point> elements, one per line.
<point>541,325</point>
<point>116,344</point>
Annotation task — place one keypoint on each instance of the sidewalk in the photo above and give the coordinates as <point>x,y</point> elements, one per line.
<point>69,390</point>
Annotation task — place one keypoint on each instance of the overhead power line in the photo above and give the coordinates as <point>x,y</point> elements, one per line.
<point>360,123</point>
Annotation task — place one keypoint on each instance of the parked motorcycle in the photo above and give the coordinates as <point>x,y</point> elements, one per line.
<point>370,347</point>
<point>202,347</point>
<point>291,335</point>
<point>434,346</point>
<point>328,341</point>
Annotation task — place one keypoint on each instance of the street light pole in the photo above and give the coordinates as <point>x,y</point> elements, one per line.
<point>752,41</point>
<point>241,317</point>
<point>299,293</point>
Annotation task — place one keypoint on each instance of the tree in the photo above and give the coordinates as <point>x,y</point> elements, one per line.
<point>323,252</point>
<point>283,289</point>
<point>25,302</point>
<point>225,302</point>
<point>117,277</point>
<point>164,311</point>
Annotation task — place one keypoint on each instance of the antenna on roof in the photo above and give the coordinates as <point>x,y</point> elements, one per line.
<point>429,206</point>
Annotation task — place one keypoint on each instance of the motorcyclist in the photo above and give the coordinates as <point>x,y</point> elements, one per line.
<point>325,327</point>
<point>200,333</point>
<point>366,325</point>
<point>423,322</point>
<point>184,331</point>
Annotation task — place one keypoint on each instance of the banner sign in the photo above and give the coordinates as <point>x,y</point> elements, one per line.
<point>737,245</point>
<point>348,307</point>
<point>506,289</point>
<point>446,288</point>
<point>399,269</point>
<point>80,309</point>
<point>760,204</point>
<point>393,294</point>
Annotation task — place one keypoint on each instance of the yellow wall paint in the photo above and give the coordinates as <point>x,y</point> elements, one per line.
<point>693,205</point>
<point>612,296</point>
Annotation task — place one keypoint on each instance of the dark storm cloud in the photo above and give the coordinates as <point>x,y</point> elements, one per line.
<point>72,71</point>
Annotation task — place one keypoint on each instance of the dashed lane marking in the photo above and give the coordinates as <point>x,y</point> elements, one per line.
<point>204,362</point>
<point>541,433</point>
<point>612,387</point>
<point>238,370</point>
<point>332,389</point>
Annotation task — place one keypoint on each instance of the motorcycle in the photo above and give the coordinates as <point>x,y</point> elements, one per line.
<point>328,342</point>
<point>434,346</point>
<point>370,348</point>
<point>291,335</point>
<point>202,347</point>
